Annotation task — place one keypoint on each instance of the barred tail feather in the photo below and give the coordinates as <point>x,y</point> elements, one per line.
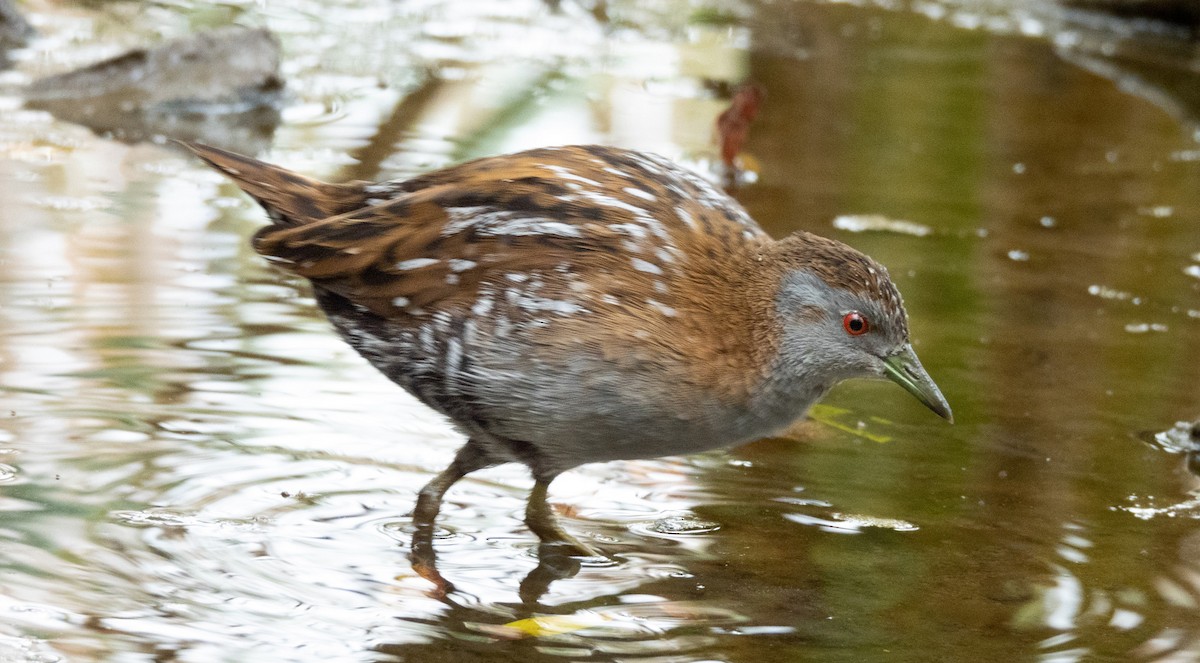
<point>289,198</point>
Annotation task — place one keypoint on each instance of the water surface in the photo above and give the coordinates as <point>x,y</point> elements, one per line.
<point>193,468</point>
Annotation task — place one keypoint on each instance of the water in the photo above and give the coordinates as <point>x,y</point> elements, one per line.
<point>193,468</point>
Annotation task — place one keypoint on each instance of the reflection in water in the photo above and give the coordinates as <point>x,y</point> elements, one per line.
<point>192,466</point>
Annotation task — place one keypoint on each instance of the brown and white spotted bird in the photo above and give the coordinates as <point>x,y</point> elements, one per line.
<point>580,304</point>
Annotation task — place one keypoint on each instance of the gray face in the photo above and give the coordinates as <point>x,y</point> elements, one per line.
<point>832,334</point>
<point>818,334</point>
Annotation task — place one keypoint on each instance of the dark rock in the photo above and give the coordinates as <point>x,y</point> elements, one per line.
<point>1180,12</point>
<point>230,69</point>
<point>207,87</point>
<point>14,30</point>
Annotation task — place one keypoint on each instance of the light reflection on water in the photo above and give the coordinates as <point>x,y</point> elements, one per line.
<point>193,467</point>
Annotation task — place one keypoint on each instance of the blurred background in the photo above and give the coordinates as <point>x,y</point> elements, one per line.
<point>194,468</point>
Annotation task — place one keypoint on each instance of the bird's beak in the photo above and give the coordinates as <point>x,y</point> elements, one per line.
<point>906,370</point>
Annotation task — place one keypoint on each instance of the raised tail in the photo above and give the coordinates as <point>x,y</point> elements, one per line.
<point>289,198</point>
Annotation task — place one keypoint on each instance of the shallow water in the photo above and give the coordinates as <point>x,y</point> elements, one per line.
<point>193,468</point>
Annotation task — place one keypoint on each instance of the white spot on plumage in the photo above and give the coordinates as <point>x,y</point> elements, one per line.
<point>442,320</point>
<point>492,222</point>
<point>400,302</point>
<point>416,263</point>
<point>378,188</point>
<point>632,229</point>
<point>608,201</point>
<point>517,277</point>
<point>645,266</point>
<point>644,195</point>
<point>427,339</point>
<point>460,265</point>
<point>566,174</point>
<point>531,226</point>
<point>483,305</point>
<point>662,308</point>
<point>686,217</point>
<point>558,306</point>
<point>651,162</point>
<point>453,356</point>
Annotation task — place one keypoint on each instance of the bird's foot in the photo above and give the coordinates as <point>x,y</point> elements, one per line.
<point>551,534</point>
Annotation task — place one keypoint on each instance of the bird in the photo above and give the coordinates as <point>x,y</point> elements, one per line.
<point>581,304</point>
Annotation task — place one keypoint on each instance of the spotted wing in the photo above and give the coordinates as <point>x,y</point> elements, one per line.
<point>593,214</point>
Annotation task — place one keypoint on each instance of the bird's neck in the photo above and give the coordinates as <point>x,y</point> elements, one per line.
<point>734,306</point>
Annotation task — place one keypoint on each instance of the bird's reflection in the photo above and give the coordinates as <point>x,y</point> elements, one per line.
<point>555,562</point>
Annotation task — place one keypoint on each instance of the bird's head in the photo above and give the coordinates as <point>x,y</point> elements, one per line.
<point>842,317</point>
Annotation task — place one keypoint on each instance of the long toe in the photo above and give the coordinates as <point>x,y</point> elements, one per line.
<point>551,533</point>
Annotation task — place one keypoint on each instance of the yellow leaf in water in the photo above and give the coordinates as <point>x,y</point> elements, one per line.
<point>547,625</point>
<point>829,415</point>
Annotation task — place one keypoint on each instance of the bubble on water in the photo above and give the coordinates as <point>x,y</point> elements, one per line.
<point>851,523</point>
<point>1105,292</point>
<point>1145,327</point>
<point>155,518</point>
<point>1017,255</point>
<point>1192,270</point>
<point>72,203</point>
<point>1031,27</point>
<point>857,223</point>
<point>1157,211</point>
<point>860,521</point>
<point>684,525</point>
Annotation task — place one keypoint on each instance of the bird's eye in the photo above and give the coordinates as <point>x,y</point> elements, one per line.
<point>855,324</point>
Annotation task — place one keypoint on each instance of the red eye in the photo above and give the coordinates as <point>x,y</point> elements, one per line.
<point>855,324</point>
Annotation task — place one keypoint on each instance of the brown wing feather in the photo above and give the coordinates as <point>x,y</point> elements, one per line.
<point>438,237</point>
<point>401,250</point>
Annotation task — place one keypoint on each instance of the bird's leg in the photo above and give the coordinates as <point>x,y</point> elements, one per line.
<point>429,502</point>
<point>541,520</point>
